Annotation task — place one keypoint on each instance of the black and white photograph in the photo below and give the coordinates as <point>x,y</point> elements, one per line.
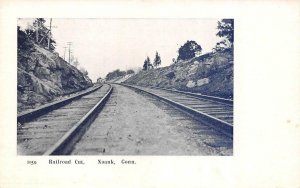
<point>125,86</point>
<point>149,94</point>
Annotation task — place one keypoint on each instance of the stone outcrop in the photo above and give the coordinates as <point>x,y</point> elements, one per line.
<point>43,76</point>
<point>210,74</point>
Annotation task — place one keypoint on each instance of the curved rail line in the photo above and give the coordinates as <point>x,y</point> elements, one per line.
<point>216,112</point>
<point>66,124</point>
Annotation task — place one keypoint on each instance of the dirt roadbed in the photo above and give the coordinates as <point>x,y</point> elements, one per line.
<point>133,123</point>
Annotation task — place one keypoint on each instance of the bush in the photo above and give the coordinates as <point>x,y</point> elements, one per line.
<point>24,42</point>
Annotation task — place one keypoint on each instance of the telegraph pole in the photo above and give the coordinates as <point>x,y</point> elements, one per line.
<point>69,43</point>
<point>49,36</point>
<point>37,25</point>
<point>44,35</point>
<point>50,33</point>
<point>65,53</point>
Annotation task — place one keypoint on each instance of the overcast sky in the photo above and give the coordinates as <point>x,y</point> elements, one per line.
<point>103,45</point>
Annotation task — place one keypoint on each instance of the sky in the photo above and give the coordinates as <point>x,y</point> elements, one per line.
<point>103,45</point>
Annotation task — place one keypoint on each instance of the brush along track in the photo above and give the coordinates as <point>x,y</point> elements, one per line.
<point>47,133</point>
<point>216,112</point>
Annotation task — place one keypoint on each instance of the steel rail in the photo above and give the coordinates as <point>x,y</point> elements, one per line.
<point>198,95</point>
<point>66,143</point>
<point>32,114</point>
<point>215,123</point>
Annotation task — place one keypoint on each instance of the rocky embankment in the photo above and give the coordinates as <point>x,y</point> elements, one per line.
<point>210,74</point>
<point>44,76</point>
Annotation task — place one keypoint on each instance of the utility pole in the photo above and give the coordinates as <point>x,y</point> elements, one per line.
<point>37,26</point>
<point>69,43</point>
<point>50,33</point>
<point>49,36</point>
<point>65,53</point>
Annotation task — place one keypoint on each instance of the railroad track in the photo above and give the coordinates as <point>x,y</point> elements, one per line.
<point>53,129</point>
<point>214,111</point>
<point>134,123</point>
<point>60,127</point>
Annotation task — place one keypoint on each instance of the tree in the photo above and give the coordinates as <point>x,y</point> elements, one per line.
<point>226,29</point>
<point>42,33</point>
<point>147,64</point>
<point>221,46</point>
<point>189,50</point>
<point>157,60</point>
<point>115,74</point>
<point>39,27</point>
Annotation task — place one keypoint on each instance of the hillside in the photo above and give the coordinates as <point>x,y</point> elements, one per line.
<point>43,76</point>
<point>210,74</point>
